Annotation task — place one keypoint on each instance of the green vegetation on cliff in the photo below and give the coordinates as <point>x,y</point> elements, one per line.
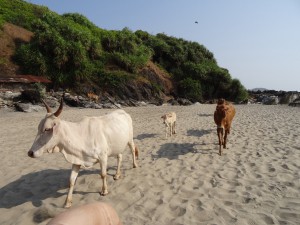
<point>71,51</point>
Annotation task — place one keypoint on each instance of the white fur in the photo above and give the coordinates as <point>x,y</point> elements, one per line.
<point>169,120</point>
<point>90,141</point>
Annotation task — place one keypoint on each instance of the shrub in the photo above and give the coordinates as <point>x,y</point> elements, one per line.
<point>190,89</point>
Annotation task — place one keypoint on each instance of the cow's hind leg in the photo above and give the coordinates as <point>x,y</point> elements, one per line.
<point>74,174</point>
<point>103,166</point>
<point>118,173</point>
<point>167,130</point>
<point>174,127</point>
<point>134,151</point>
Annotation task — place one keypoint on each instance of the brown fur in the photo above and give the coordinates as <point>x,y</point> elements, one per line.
<point>93,97</point>
<point>223,117</point>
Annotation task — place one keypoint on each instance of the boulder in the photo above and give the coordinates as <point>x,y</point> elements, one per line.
<point>9,95</point>
<point>72,100</point>
<point>183,101</point>
<point>31,95</point>
<point>270,100</point>
<point>295,103</point>
<point>289,97</point>
<point>28,107</point>
<point>173,102</point>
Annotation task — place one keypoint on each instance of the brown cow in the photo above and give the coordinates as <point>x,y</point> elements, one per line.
<point>223,117</point>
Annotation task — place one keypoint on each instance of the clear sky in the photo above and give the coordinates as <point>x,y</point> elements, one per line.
<point>258,41</point>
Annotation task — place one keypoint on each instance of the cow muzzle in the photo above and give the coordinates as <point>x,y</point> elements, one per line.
<point>30,154</point>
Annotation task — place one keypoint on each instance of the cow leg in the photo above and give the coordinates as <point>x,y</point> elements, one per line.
<point>103,165</point>
<point>134,156</point>
<point>225,138</point>
<point>118,173</point>
<point>167,129</point>
<point>174,127</point>
<point>220,136</point>
<point>74,174</point>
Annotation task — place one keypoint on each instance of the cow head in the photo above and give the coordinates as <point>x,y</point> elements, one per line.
<point>47,136</point>
<point>220,115</point>
<point>164,118</point>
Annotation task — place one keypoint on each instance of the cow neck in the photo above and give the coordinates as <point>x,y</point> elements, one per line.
<point>70,133</point>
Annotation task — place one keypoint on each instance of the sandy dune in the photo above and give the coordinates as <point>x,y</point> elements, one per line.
<point>180,180</point>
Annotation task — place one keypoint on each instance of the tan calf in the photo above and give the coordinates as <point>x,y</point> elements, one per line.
<point>169,120</point>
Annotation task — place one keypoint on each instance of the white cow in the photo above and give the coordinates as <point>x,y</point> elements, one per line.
<point>90,141</point>
<point>169,120</point>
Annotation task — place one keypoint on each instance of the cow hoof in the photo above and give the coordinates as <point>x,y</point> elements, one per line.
<point>117,177</point>
<point>103,193</point>
<point>68,204</point>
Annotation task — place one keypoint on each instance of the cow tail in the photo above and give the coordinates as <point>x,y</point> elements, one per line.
<point>136,152</point>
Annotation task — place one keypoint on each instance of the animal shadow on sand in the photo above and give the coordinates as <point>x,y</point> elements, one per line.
<point>145,136</point>
<point>174,150</point>
<point>34,187</point>
<point>205,115</point>
<point>198,133</point>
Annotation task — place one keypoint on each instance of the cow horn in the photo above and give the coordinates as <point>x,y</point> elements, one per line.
<point>47,107</point>
<point>58,112</point>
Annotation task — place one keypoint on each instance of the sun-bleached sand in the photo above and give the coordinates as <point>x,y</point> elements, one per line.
<point>180,180</point>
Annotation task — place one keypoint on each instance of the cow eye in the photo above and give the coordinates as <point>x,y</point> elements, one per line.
<point>48,129</point>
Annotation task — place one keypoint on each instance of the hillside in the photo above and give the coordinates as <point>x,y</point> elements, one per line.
<point>77,55</point>
<point>10,36</point>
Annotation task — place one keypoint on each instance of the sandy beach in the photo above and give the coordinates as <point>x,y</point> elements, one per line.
<point>180,180</point>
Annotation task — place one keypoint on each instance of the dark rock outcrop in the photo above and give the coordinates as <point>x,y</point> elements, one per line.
<point>295,103</point>
<point>272,97</point>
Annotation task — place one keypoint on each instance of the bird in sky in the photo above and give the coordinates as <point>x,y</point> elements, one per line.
<point>196,21</point>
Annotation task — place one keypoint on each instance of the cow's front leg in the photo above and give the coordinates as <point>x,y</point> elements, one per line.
<point>118,173</point>
<point>103,165</point>
<point>74,174</point>
<point>220,137</point>
<point>225,138</point>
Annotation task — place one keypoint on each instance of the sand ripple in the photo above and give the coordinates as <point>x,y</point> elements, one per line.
<point>180,180</point>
